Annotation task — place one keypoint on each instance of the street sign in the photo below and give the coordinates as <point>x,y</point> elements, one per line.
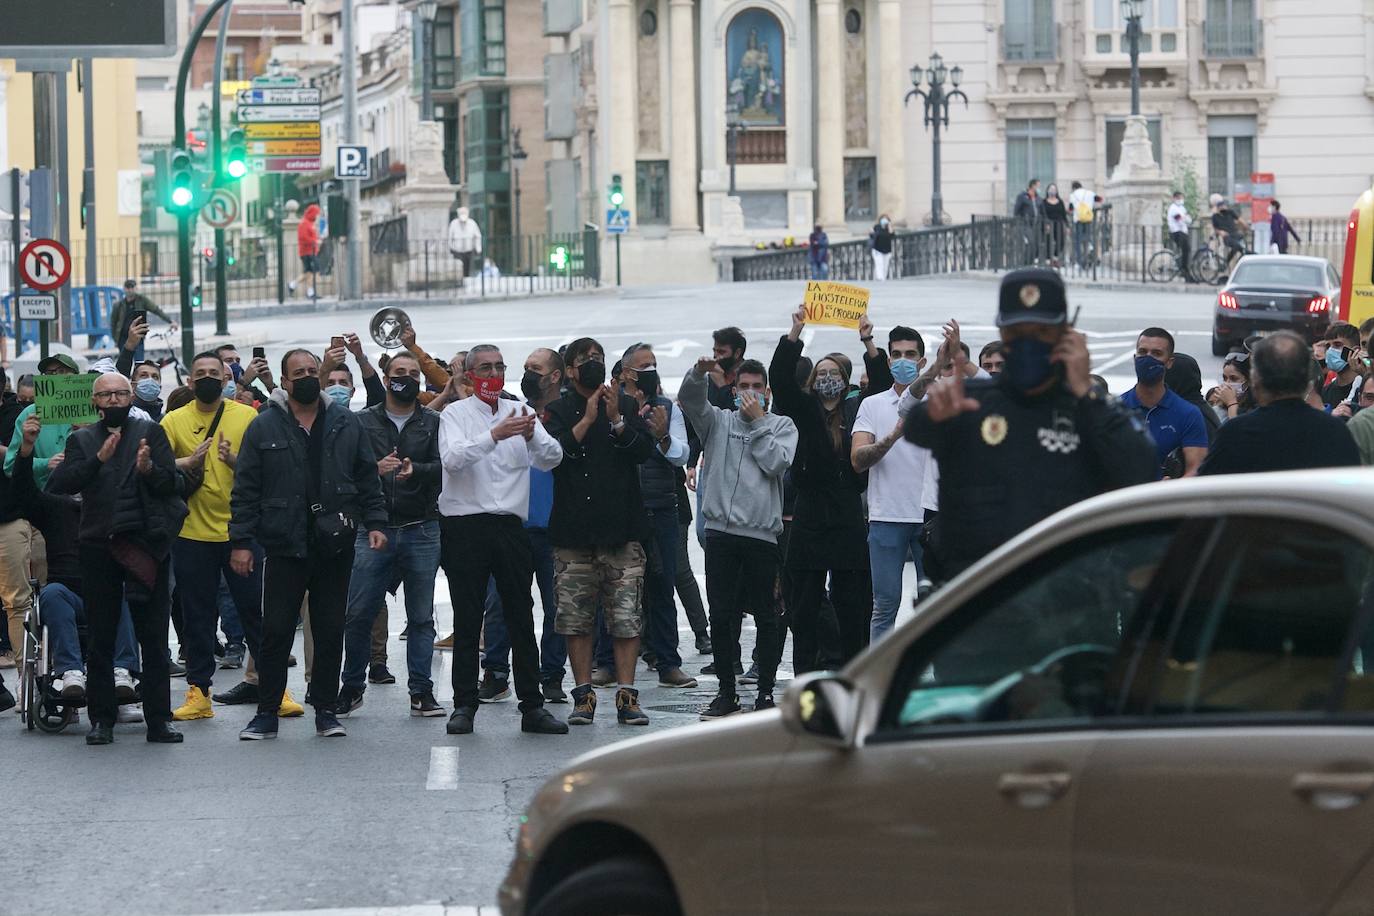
<point>221,210</point>
<point>617,221</point>
<point>44,264</point>
<point>249,114</point>
<point>353,163</point>
<point>38,308</point>
<point>281,125</point>
<point>292,165</point>
<point>267,148</point>
<point>300,96</point>
<point>282,130</point>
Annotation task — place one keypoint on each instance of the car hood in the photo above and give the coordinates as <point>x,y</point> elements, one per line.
<point>690,742</point>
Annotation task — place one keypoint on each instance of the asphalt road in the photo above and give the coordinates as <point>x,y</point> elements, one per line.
<point>398,813</point>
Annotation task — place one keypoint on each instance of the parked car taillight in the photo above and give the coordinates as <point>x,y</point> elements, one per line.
<point>1227,301</point>
<point>1318,304</point>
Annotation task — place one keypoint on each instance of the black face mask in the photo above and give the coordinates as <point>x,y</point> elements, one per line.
<point>306,390</point>
<point>648,382</point>
<point>115,416</point>
<point>591,374</point>
<point>531,385</point>
<point>404,388</point>
<point>207,389</point>
<point>727,363</point>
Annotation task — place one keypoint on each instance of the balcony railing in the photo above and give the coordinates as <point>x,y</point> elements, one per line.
<point>1233,37</point>
<point>1029,42</point>
<point>761,145</point>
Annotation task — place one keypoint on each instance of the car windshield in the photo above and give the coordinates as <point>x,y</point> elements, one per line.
<point>1277,273</point>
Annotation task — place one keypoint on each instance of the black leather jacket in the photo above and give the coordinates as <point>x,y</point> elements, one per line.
<point>415,499</point>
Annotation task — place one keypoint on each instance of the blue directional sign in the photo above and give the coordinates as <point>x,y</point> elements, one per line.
<point>617,221</point>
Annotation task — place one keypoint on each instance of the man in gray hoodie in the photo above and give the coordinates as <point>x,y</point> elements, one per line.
<point>747,451</point>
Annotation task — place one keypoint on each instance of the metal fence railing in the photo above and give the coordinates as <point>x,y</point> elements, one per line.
<point>510,265</point>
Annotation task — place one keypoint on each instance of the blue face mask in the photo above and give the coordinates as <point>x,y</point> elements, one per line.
<point>1028,362</point>
<point>739,402</point>
<point>1148,370</point>
<point>230,390</point>
<point>904,371</point>
<point>148,390</point>
<point>1334,361</point>
<point>339,394</point>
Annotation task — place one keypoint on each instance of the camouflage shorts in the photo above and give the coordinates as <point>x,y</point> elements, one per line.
<point>610,577</point>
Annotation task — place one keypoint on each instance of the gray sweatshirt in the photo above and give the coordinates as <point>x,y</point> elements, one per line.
<point>741,492</point>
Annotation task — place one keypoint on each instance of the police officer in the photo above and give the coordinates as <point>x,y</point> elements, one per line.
<point>1016,449</point>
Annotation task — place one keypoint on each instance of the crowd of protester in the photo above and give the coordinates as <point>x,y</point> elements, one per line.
<point>246,503</point>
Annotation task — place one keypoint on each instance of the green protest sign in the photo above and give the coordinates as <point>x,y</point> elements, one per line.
<point>64,399</point>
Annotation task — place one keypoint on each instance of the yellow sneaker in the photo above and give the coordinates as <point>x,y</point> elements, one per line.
<point>197,706</point>
<point>289,708</point>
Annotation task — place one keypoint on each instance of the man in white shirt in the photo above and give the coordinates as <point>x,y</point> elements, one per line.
<point>487,445</point>
<point>1179,223</point>
<point>1081,212</point>
<point>464,241</point>
<point>896,471</point>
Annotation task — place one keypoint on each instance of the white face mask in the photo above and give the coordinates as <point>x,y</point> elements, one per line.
<point>1237,387</point>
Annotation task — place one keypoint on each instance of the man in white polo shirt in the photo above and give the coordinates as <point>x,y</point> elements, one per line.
<point>896,473</point>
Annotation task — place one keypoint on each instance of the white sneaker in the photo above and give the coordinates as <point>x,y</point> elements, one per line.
<point>130,712</point>
<point>72,684</point>
<point>310,293</point>
<point>124,685</point>
<point>291,287</point>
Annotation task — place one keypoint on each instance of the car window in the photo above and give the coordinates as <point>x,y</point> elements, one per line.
<point>1265,272</point>
<point>1332,277</point>
<point>1050,641</point>
<point>1267,629</point>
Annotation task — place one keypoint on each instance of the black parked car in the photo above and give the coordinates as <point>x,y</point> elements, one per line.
<point>1273,292</point>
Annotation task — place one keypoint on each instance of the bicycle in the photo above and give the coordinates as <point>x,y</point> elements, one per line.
<point>167,337</point>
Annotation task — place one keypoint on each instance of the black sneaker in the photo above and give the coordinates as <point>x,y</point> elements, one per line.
<point>423,705</point>
<point>350,698</point>
<point>751,676</point>
<point>704,646</point>
<point>541,722</point>
<point>650,661</point>
<point>764,701</point>
<point>175,669</point>
<point>494,688</point>
<point>460,723</point>
<point>263,726</point>
<point>327,724</point>
<point>233,656</point>
<point>584,705</point>
<point>553,691</point>
<point>711,669</point>
<point>627,711</point>
<point>378,674</point>
<point>721,707</point>
<point>238,695</point>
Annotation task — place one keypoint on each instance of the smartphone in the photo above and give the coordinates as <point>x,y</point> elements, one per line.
<point>260,353</point>
<point>335,342</point>
<point>138,315</point>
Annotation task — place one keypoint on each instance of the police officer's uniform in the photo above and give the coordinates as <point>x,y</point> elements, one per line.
<point>1018,459</point>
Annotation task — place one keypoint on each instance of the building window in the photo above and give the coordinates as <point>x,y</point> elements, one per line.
<point>651,192</point>
<point>860,189</point>
<point>447,116</point>
<point>1028,33</point>
<point>482,28</point>
<point>648,23</point>
<point>1230,154</point>
<point>486,127</point>
<point>1116,131</point>
<point>1030,153</point>
<point>445,49</point>
<point>1159,17</point>
<point>1231,29</point>
<point>853,22</point>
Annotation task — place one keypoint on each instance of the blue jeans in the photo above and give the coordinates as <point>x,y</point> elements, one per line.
<point>660,618</point>
<point>61,608</point>
<point>889,545</point>
<point>414,552</point>
<point>1080,241</point>
<point>553,648</point>
<point>820,271</point>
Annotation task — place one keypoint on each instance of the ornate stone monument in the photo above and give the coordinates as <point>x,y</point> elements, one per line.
<point>1137,188</point>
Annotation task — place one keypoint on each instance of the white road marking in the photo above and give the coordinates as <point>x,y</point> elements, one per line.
<point>1114,361</point>
<point>443,768</point>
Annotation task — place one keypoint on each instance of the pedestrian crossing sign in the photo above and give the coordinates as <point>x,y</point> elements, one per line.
<point>617,221</point>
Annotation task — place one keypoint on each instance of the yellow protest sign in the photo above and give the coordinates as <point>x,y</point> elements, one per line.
<point>835,303</point>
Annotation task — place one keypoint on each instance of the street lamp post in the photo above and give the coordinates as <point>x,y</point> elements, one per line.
<point>1131,11</point>
<point>936,100</point>
<point>429,9</point>
<point>733,128</point>
<point>517,161</point>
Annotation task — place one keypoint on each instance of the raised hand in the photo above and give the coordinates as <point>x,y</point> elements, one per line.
<point>388,463</point>
<point>750,407</point>
<point>798,322</point>
<point>353,345</point>
<point>407,469</point>
<point>202,450</point>
<point>706,364</point>
<point>107,448</point>
<point>226,454</point>
<point>144,462</point>
<point>32,427</point>
<point>865,327</point>
<point>513,425</point>
<point>528,431</point>
<point>658,421</point>
<point>948,400</point>
<point>1072,353</point>
<point>137,331</point>
<point>612,401</point>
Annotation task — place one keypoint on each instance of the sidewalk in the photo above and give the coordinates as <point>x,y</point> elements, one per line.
<point>1074,281</point>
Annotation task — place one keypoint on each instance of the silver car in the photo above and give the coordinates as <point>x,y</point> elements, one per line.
<point>1158,701</point>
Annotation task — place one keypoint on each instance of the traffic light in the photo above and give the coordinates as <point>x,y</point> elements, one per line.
<point>558,257</point>
<point>179,181</point>
<point>209,254</point>
<point>617,195</point>
<point>229,258</point>
<point>195,296</point>
<point>236,155</point>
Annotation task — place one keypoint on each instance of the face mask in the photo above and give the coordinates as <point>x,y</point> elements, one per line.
<point>885,223</point>
<point>1028,362</point>
<point>726,363</point>
<point>591,374</point>
<point>404,388</point>
<point>828,386</point>
<point>1237,387</point>
<point>339,394</point>
<point>904,371</point>
<point>648,382</point>
<point>230,390</point>
<point>763,401</point>
<point>207,389</point>
<point>237,370</point>
<point>1148,370</point>
<point>115,416</point>
<point>306,390</point>
<point>531,385</point>
<point>148,389</point>
<point>489,389</point>
<point>1334,361</point>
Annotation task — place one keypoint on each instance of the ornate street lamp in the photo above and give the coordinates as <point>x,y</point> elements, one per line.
<point>429,10</point>
<point>517,161</point>
<point>1131,11</point>
<point>936,99</point>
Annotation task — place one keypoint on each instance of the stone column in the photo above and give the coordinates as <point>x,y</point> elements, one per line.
<point>683,174</point>
<point>620,99</point>
<point>892,147</point>
<point>830,117</point>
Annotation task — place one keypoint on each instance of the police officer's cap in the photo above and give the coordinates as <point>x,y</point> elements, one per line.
<point>1032,295</point>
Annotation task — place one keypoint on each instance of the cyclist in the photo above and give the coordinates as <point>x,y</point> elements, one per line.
<point>1230,227</point>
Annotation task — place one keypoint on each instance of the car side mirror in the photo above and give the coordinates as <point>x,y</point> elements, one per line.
<point>822,706</point>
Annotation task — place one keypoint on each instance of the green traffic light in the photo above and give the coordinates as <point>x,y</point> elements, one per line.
<point>617,198</point>
<point>237,168</point>
<point>181,197</point>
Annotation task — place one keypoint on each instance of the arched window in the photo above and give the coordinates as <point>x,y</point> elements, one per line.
<point>754,68</point>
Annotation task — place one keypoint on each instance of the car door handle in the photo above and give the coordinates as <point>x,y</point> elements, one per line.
<point>1333,791</point>
<point>1034,790</point>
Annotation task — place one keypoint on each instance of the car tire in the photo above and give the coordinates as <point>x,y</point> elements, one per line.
<point>624,886</point>
<point>1219,346</point>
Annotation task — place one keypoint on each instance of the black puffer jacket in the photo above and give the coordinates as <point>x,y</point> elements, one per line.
<point>415,499</point>
<point>271,501</point>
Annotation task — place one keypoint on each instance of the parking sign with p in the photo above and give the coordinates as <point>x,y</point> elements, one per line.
<point>353,163</point>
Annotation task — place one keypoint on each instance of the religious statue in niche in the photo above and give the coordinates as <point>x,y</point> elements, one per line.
<point>754,60</point>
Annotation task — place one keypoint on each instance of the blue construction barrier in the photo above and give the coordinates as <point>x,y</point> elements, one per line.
<point>91,307</point>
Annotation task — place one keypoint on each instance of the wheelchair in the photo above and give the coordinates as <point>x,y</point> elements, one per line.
<point>41,706</point>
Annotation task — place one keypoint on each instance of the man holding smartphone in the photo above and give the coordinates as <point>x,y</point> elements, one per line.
<point>127,310</point>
